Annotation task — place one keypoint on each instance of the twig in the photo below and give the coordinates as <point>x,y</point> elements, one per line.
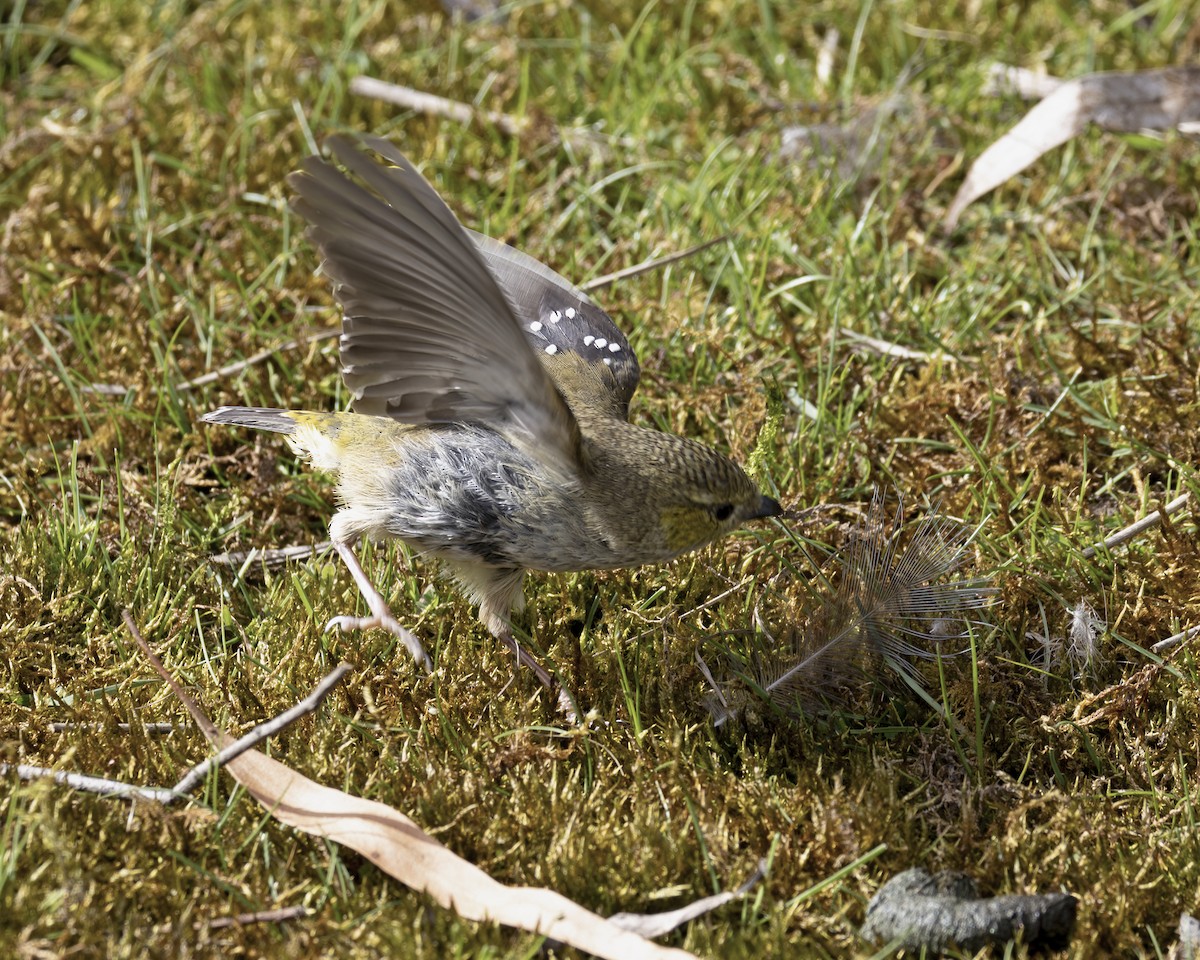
<point>200,771</point>
<point>144,727</point>
<point>648,265</point>
<point>264,730</point>
<point>105,389</point>
<point>197,774</point>
<point>259,916</point>
<point>433,105</point>
<point>430,104</point>
<point>100,785</point>
<point>888,349</point>
<point>235,368</point>
<point>270,558</point>
<point>1174,639</point>
<point>1131,531</point>
<point>210,731</point>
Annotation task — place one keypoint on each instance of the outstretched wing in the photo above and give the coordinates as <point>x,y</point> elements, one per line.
<point>559,318</point>
<point>428,336</point>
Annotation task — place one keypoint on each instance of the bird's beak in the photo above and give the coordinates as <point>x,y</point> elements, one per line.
<point>767,507</point>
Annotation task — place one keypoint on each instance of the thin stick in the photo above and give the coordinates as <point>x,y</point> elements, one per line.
<point>144,727</point>
<point>431,104</point>
<point>648,265</point>
<point>105,389</point>
<point>240,746</point>
<point>1177,638</point>
<point>116,788</point>
<point>259,916</point>
<point>210,730</point>
<point>100,785</point>
<point>888,349</point>
<point>270,558</point>
<point>234,368</point>
<point>1131,531</point>
<point>264,730</point>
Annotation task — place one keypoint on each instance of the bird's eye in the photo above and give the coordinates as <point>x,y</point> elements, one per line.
<point>723,512</point>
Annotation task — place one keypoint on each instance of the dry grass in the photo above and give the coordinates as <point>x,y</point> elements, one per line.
<point>146,243</point>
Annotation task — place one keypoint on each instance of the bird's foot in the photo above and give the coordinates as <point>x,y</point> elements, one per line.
<point>380,616</point>
<point>565,699</point>
<point>385,621</point>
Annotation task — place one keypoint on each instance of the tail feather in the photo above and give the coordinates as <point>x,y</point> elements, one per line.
<point>257,418</point>
<point>320,438</point>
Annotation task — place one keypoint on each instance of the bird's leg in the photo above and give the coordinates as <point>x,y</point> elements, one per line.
<point>494,612</point>
<point>380,616</point>
<point>566,702</point>
<point>524,657</point>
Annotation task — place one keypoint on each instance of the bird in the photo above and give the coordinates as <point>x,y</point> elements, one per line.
<point>489,427</point>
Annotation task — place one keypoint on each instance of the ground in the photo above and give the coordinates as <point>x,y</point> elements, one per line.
<point>1044,391</point>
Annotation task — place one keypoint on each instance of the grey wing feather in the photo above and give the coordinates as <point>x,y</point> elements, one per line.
<point>552,312</point>
<point>427,335</point>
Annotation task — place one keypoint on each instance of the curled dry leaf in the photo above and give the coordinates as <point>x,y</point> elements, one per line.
<point>856,147</point>
<point>1146,100</point>
<point>401,849</point>
<point>1188,947</point>
<point>660,924</point>
<point>1028,84</point>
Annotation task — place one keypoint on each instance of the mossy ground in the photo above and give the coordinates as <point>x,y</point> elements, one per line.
<point>146,242</point>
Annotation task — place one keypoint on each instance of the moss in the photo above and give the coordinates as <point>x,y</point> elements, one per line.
<point>147,243</point>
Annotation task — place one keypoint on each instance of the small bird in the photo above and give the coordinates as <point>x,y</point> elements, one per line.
<point>491,398</point>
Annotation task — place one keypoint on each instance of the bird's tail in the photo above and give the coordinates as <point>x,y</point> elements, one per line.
<point>321,438</point>
<point>257,418</point>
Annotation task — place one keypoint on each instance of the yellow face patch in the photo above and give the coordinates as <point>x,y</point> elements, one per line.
<point>686,528</point>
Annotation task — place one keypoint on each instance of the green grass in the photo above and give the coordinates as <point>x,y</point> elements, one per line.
<point>146,242</point>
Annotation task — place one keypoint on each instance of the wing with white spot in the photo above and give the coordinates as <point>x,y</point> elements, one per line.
<point>559,318</point>
<point>427,335</point>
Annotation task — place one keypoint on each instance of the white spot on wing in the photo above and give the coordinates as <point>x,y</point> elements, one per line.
<point>614,348</point>
<point>601,343</point>
<point>555,317</point>
<point>570,313</point>
<point>608,361</point>
<point>587,341</point>
<point>535,327</point>
<point>552,349</point>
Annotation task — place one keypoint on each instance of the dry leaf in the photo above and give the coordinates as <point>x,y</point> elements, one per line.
<point>1025,83</point>
<point>856,147</point>
<point>1188,947</point>
<point>400,848</point>
<point>658,924</point>
<point>1147,100</point>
